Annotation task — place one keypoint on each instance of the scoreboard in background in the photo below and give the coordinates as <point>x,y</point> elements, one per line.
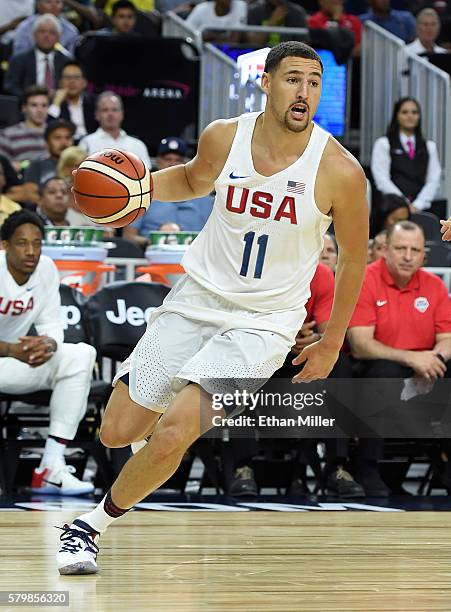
<point>331,112</point>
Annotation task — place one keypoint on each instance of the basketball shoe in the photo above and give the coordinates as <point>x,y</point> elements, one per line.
<point>137,446</point>
<point>78,551</point>
<point>59,480</point>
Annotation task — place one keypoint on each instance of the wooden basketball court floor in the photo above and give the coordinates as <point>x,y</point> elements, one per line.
<point>247,561</point>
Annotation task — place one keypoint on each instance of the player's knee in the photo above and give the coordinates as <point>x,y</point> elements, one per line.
<point>113,437</point>
<point>168,440</point>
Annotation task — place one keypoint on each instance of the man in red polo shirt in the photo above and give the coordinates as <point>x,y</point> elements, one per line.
<point>401,326</point>
<point>332,15</point>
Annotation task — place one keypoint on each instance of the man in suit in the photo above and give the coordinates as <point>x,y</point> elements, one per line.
<point>73,103</point>
<point>43,64</point>
<point>23,37</point>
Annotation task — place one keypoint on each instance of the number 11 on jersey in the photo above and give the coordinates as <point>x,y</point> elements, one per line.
<point>262,243</point>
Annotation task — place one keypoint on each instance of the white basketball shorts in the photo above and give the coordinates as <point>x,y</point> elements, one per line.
<point>198,336</point>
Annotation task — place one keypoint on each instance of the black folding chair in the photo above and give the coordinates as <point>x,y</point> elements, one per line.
<point>429,223</point>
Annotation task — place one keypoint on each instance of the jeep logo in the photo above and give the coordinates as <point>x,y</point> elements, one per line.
<point>71,315</point>
<point>133,315</point>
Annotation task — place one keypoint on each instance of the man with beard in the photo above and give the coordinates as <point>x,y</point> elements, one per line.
<point>228,324</point>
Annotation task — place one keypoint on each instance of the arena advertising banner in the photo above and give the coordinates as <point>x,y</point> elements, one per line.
<point>157,79</point>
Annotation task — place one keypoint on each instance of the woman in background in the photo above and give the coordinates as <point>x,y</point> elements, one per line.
<point>403,162</point>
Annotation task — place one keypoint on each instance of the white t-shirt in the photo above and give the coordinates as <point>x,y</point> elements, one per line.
<point>11,9</point>
<point>417,47</point>
<point>203,16</point>
<point>37,302</point>
<point>102,140</point>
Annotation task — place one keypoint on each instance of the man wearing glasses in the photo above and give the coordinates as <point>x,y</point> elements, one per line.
<point>73,103</point>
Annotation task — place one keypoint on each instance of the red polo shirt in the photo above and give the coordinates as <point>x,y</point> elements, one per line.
<point>321,21</point>
<point>407,318</point>
<point>319,304</point>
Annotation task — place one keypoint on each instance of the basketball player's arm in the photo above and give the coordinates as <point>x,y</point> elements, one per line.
<point>346,183</point>
<point>196,178</point>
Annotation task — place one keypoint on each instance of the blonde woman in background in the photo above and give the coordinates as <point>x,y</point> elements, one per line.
<point>69,161</point>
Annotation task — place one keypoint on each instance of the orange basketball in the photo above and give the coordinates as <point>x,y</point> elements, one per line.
<point>113,187</point>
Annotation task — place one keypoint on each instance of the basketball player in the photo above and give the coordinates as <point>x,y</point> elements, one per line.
<point>279,181</point>
<point>29,295</point>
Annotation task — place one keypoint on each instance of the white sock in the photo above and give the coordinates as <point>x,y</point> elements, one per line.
<point>98,519</point>
<point>53,453</point>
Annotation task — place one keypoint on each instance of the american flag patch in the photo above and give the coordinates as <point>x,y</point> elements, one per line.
<point>294,187</point>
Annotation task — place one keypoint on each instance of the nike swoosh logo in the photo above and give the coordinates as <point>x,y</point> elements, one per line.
<point>55,484</point>
<point>30,288</point>
<point>233,177</point>
<point>381,302</point>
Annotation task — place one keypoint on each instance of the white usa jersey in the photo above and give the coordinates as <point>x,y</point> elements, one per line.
<point>37,302</point>
<point>261,245</point>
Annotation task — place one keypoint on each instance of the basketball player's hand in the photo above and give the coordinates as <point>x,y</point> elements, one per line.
<point>38,349</point>
<point>446,229</point>
<point>318,359</point>
<point>304,337</point>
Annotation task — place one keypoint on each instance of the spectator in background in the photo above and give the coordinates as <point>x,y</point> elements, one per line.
<point>332,15</point>
<point>428,30</point>
<point>329,254</point>
<point>274,13</point>
<point>71,101</point>
<point>58,136</point>
<point>377,247</point>
<point>135,17</point>
<point>110,115</point>
<point>145,6</point>
<point>23,40</point>
<point>29,285</point>
<point>391,209</point>
<point>7,206</point>
<point>54,202</point>
<point>69,161</point>
<point>84,15</point>
<point>400,23</point>
<point>398,297</point>
<point>224,14</point>
<point>123,17</point>
<point>15,188</point>
<point>190,215</point>
<point>12,12</point>
<point>41,65</point>
<point>402,162</point>
<point>24,142</point>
